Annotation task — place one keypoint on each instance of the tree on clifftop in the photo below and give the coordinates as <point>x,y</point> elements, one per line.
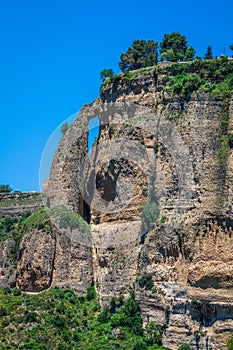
<point>231,47</point>
<point>174,47</point>
<point>5,189</point>
<point>209,53</point>
<point>141,54</point>
<point>107,73</point>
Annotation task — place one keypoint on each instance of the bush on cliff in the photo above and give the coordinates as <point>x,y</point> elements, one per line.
<point>185,346</point>
<point>230,343</point>
<point>150,213</point>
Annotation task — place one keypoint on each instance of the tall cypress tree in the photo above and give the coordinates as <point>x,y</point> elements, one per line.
<point>209,53</point>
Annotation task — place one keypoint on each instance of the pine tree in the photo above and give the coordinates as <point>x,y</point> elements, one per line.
<point>106,73</point>
<point>174,47</point>
<point>141,54</point>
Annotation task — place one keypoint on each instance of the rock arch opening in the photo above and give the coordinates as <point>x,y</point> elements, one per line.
<point>93,132</point>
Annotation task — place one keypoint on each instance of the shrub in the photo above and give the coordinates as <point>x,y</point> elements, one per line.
<point>3,311</point>
<point>140,345</point>
<point>68,219</point>
<point>185,83</point>
<point>17,292</point>
<point>39,220</point>
<point>150,213</point>
<point>163,219</point>
<point>185,346</point>
<point>30,317</point>
<point>146,281</point>
<point>64,128</point>
<point>230,140</point>
<point>107,74</point>
<point>59,321</point>
<point>153,333</point>
<point>104,315</point>
<point>6,290</point>
<point>91,293</point>
<point>118,320</point>
<point>230,343</point>
<point>5,189</point>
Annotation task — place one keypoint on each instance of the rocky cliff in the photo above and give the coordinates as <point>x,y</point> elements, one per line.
<point>157,193</point>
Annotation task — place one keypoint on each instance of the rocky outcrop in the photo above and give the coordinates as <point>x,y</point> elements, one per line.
<point>53,259</point>
<point>17,204</point>
<point>165,159</point>
<point>73,263</point>
<point>153,144</point>
<point>36,260</point>
<point>7,263</point>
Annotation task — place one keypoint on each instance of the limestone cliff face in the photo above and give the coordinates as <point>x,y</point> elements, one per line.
<point>153,147</point>
<point>183,163</point>
<point>53,259</point>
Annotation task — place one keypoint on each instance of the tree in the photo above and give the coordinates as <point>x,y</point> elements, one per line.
<point>174,47</point>
<point>5,189</point>
<point>141,54</point>
<point>190,53</point>
<point>64,128</point>
<point>129,316</point>
<point>107,73</point>
<point>153,333</point>
<point>209,53</point>
<point>231,47</point>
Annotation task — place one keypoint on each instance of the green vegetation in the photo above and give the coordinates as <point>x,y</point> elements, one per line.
<point>38,220</point>
<point>224,147</point>
<point>184,76</point>
<point>21,199</point>
<point>141,54</point>
<point>163,219</point>
<point>58,319</point>
<point>107,74</point>
<point>64,128</point>
<point>16,227</point>
<point>209,53</point>
<point>68,219</point>
<point>213,76</point>
<point>184,83</point>
<point>230,343</point>
<point>150,213</point>
<point>174,47</point>
<point>146,281</point>
<point>5,189</point>
<point>153,333</point>
<point>185,346</point>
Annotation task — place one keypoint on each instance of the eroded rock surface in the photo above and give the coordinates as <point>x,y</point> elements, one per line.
<point>157,145</point>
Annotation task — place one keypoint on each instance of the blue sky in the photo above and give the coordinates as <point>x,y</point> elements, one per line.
<point>53,51</point>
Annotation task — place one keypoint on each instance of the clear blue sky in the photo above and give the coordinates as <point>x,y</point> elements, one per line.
<point>53,51</point>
